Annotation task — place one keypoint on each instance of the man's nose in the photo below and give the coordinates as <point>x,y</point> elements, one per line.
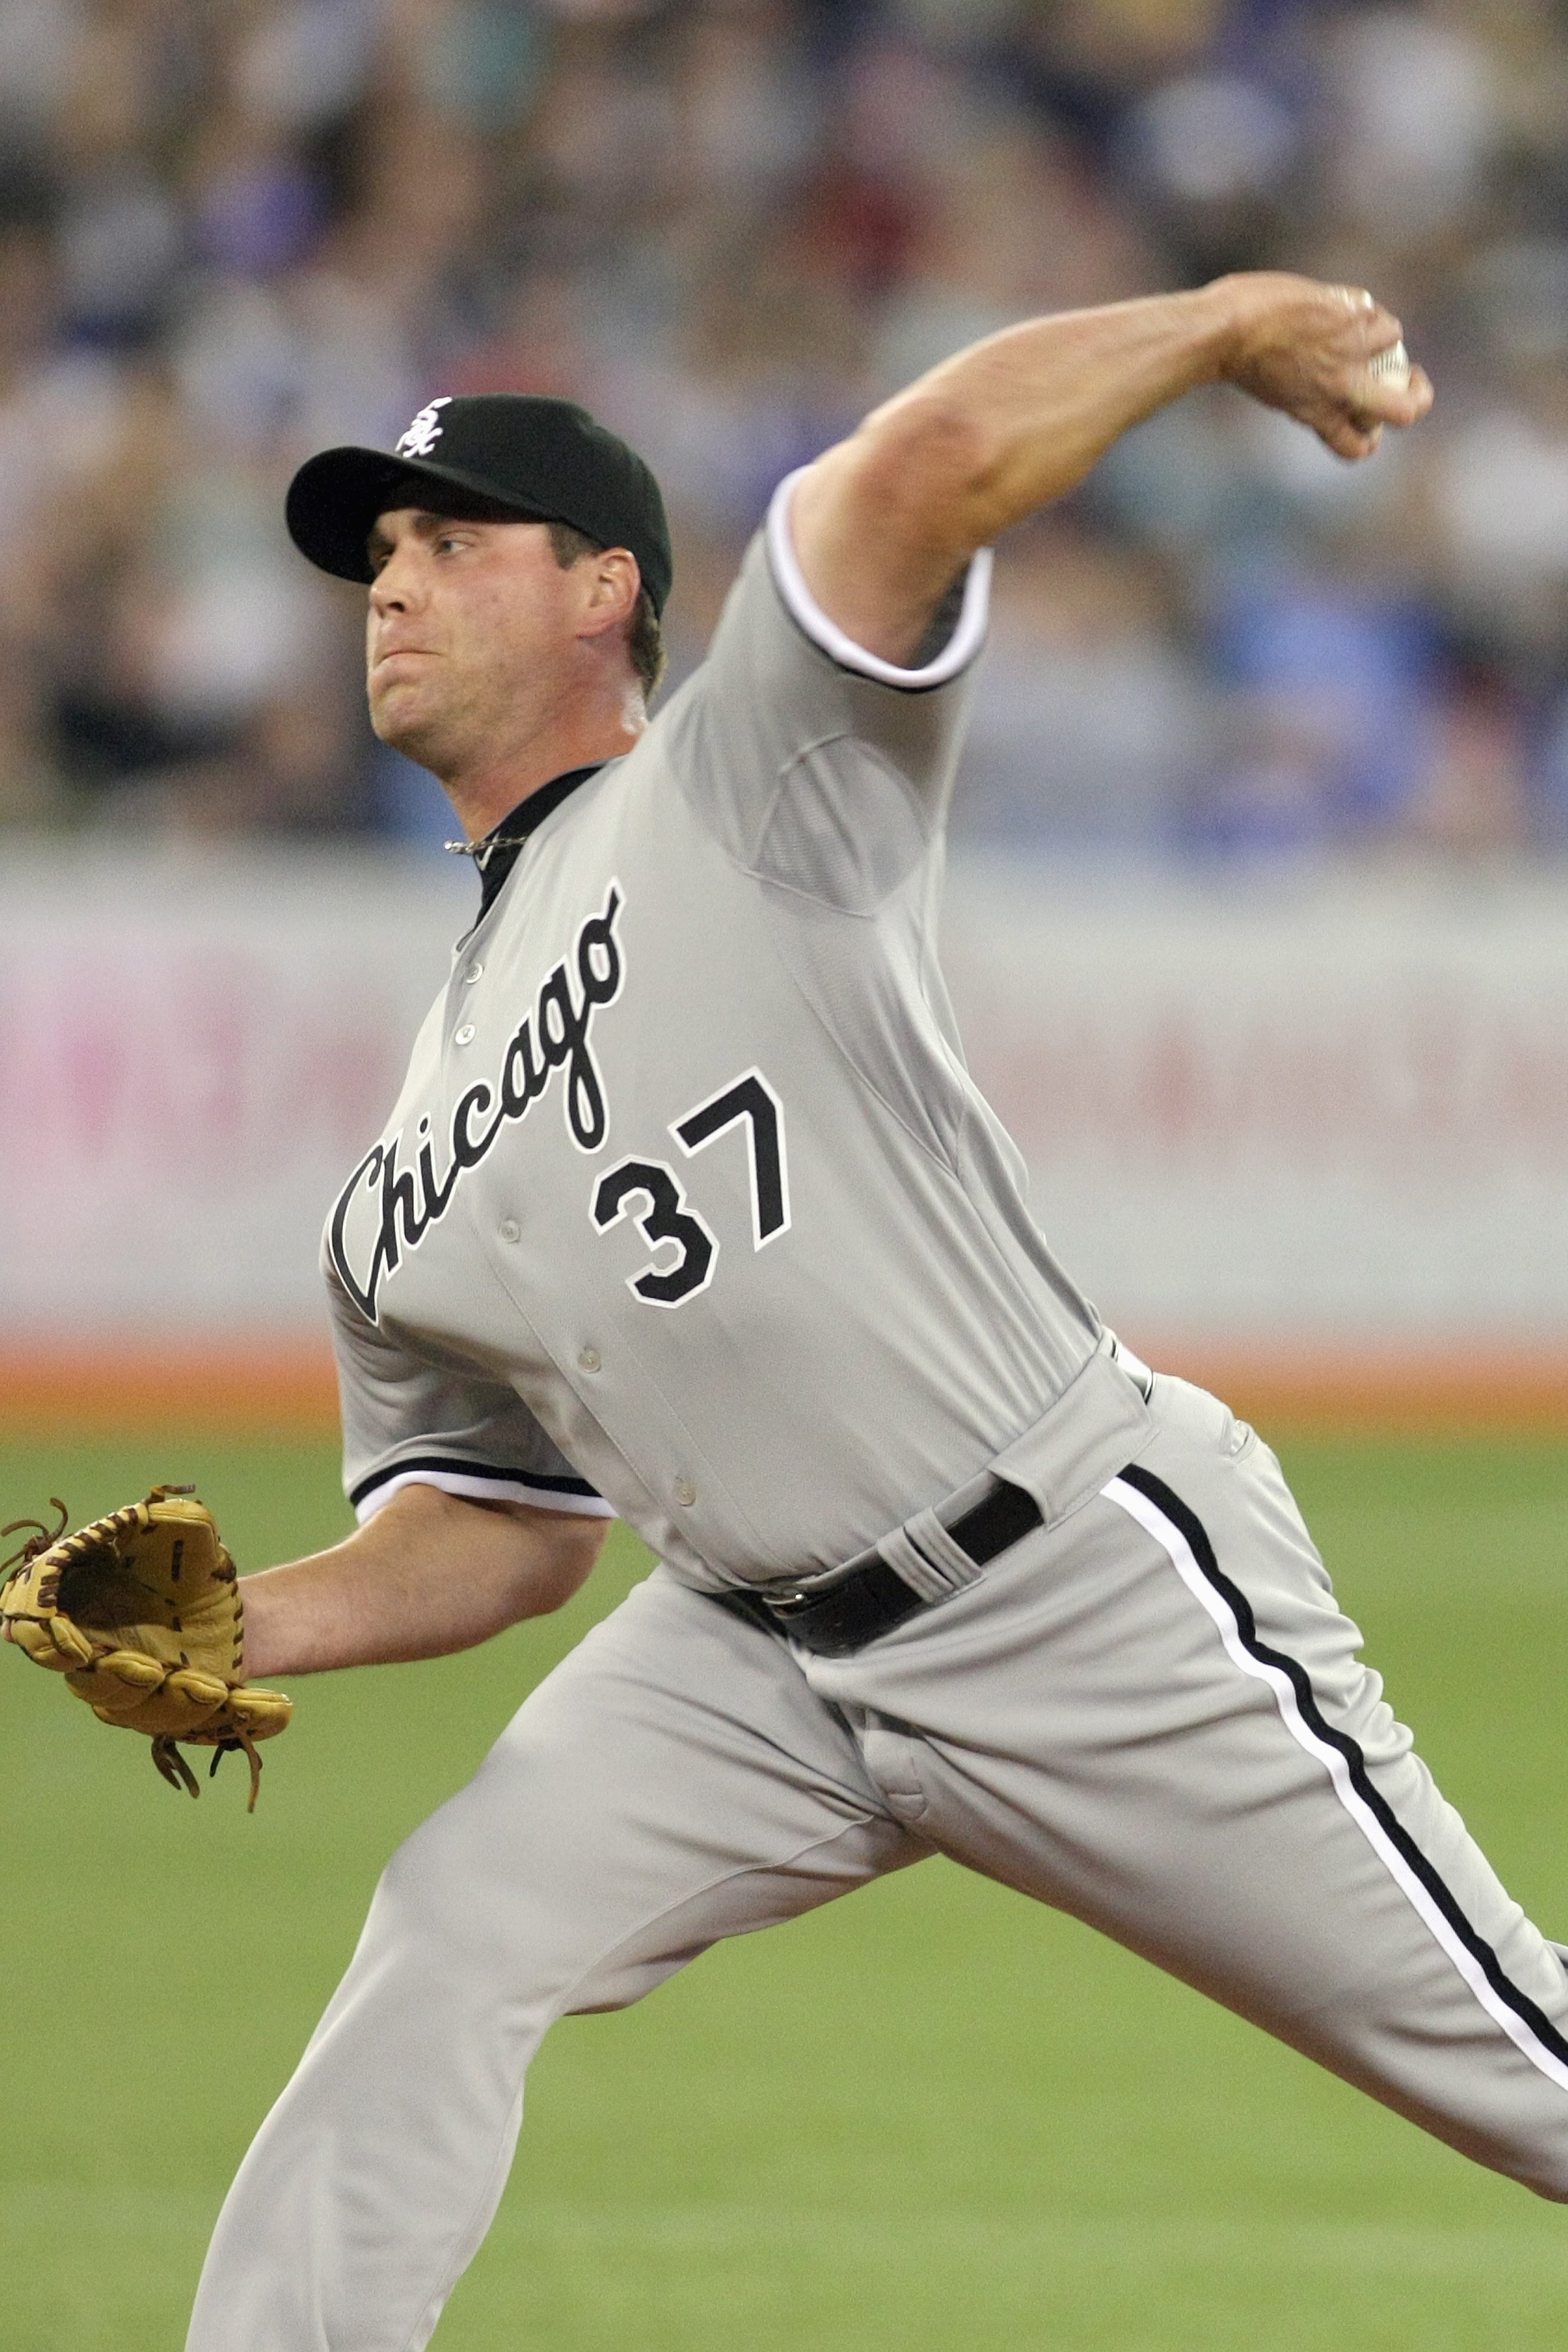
<point>393,589</point>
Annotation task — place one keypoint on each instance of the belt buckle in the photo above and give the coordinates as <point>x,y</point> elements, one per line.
<point>801,1594</point>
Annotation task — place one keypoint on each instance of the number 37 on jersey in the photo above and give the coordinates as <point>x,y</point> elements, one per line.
<point>651,1194</point>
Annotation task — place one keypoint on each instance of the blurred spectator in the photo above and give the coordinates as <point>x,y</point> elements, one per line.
<point>230,237</point>
<point>1091,729</point>
<point>1327,685</point>
<point>1412,118</point>
<point>1501,486</point>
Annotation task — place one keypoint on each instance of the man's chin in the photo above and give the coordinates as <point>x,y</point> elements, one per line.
<point>417,737</point>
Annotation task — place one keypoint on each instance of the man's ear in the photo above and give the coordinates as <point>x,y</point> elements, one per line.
<point>616,584</point>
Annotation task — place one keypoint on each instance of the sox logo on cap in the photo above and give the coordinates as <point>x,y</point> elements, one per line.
<point>426,430</point>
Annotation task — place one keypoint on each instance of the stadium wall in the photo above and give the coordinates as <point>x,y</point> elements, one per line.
<point>1301,1138</point>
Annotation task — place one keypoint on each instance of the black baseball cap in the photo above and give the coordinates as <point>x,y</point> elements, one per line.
<point>511,454</point>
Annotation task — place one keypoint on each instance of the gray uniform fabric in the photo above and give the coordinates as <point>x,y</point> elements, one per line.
<point>1149,1713</point>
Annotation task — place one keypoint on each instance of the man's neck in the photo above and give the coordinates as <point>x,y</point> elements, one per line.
<point>483,797</point>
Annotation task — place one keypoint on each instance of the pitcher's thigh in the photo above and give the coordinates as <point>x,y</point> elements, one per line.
<point>1192,1756</point>
<point>673,1781</point>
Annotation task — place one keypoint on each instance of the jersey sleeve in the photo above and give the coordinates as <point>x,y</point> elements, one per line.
<point>819,765</point>
<point>409,1423</point>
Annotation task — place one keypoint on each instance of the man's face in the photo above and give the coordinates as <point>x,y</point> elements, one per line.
<point>470,636</point>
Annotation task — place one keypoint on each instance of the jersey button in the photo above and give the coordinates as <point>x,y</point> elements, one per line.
<point>475,972</point>
<point>464,1036</point>
<point>685,1493</point>
<point>511,1231</point>
<point>589,1358</point>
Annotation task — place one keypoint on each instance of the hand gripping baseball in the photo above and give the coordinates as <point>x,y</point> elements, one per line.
<point>141,1612</point>
<point>1317,351</point>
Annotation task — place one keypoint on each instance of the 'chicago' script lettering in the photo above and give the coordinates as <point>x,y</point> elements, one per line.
<point>403,1203</point>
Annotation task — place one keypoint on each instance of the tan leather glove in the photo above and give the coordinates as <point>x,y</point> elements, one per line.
<point>142,1613</point>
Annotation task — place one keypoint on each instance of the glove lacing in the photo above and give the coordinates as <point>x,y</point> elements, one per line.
<point>169,1760</point>
<point>36,1543</point>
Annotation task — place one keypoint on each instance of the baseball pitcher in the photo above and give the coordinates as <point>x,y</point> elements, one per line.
<point>688,1211</point>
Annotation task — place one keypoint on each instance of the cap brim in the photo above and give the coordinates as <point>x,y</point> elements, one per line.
<point>335,498</point>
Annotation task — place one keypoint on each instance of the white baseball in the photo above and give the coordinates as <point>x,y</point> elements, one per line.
<point>1391,366</point>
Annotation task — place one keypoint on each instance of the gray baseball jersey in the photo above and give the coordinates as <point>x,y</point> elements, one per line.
<point>689,1207</point>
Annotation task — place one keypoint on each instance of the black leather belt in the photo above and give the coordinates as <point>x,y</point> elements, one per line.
<point>839,1617</point>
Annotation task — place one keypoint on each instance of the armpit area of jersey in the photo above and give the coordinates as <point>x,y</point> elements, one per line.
<point>476,1482</point>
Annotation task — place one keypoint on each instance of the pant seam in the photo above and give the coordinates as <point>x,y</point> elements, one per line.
<point>1182,1537</point>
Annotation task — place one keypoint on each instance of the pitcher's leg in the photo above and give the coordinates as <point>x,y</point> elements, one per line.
<point>674,1781</point>
<point>1156,1718</point>
<point>1426,1983</point>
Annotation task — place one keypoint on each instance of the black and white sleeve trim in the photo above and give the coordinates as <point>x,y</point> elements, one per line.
<point>1182,1537</point>
<point>479,1482</point>
<point>956,655</point>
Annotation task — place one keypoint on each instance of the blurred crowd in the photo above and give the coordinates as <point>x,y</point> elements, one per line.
<point>234,231</point>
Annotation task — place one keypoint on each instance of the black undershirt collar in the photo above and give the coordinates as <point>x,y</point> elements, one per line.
<point>498,851</point>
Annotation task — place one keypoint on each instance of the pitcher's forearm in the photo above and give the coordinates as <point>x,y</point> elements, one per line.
<point>429,1574</point>
<point>882,522</point>
<point>1044,401</point>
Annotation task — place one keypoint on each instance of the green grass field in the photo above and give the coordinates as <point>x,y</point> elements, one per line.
<point>933,2117</point>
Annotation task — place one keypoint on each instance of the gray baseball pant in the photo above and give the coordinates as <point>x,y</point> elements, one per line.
<point>1151,1714</point>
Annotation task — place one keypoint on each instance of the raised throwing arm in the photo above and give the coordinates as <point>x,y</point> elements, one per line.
<point>882,522</point>
<point>430,1573</point>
